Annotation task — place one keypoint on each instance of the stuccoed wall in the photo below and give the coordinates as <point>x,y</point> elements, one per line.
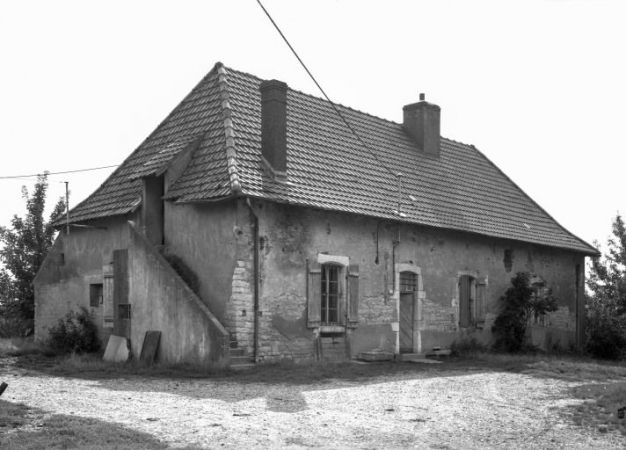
<point>291,235</point>
<point>160,300</point>
<point>76,261</point>
<point>215,241</point>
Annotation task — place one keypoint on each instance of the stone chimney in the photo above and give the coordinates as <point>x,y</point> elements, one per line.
<point>274,128</point>
<point>422,122</point>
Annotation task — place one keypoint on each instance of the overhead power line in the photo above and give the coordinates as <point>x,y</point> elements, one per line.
<point>56,173</point>
<point>325,95</point>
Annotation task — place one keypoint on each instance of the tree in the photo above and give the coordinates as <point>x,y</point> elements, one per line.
<point>522,301</point>
<point>606,308</point>
<point>24,246</point>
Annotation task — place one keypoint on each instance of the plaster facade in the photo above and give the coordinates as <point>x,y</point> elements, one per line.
<point>218,241</point>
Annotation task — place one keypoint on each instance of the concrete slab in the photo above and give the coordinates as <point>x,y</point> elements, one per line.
<point>117,349</point>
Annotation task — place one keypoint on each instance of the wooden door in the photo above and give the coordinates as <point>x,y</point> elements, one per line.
<point>121,303</point>
<point>406,322</point>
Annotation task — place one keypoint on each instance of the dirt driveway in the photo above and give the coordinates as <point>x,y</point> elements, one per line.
<point>424,409</point>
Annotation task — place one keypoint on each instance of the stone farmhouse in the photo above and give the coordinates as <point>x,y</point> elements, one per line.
<point>300,240</point>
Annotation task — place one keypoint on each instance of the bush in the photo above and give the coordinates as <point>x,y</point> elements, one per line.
<point>522,301</point>
<point>77,333</point>
<point>14,325</point>
<point>606,330</point>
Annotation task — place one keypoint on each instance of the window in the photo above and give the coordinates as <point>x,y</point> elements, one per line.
<point>95,295</point>
<point>408,282</point>
<point>539,290</point>
<point>332,292</point>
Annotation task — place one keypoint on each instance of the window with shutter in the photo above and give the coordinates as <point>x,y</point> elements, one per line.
<point>332,293</point>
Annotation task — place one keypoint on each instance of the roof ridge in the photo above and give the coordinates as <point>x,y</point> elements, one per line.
<point>364,113</point>
<point>229,130</point>
<point>316,97</point>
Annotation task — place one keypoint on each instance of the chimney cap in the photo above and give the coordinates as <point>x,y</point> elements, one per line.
<point>273,84</point>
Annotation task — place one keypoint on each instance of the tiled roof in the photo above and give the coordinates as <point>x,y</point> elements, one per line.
<point>327,167</point>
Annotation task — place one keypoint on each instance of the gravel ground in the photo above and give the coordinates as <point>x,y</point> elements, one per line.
<point>452,410</point>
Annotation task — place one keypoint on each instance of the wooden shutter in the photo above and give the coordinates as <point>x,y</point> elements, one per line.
<point>121,306</point>
<point>107,301</point>
<point>481,290</point>
<point>314,294</point>
<point>353,295</point>
<point>464,301</point>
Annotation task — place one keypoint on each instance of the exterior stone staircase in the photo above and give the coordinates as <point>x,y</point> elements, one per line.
<point>239,357</point>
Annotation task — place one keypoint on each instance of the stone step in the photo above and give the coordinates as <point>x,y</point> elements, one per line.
<point>411,356</point>
<point>241,361</point>
<point>238,351</point>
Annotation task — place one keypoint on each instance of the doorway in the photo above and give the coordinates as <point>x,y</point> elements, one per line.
<point>408,288</point>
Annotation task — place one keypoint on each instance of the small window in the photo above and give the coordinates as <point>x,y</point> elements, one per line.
<point>123,311</point>
<point>95,295</point>
<point>408,282</point>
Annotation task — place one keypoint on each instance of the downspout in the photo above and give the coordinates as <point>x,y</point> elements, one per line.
<point>256,279</point>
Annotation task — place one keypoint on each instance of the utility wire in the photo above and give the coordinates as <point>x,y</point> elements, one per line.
<point>324,93</point>
<point>56,173</point>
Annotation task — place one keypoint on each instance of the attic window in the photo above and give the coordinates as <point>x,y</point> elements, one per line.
<point>508,260</point>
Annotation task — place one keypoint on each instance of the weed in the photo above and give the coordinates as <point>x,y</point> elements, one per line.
<point>20,347</point>
<point>599,409</point>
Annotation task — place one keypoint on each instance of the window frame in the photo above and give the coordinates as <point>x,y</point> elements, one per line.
<point>346,293</point>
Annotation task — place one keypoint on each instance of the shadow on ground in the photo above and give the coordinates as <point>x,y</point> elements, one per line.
<point>33,429</point>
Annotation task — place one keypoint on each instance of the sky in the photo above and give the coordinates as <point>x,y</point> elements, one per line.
<point>538,86</point>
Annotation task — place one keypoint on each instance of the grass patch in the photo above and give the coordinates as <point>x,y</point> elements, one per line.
<point>599,409</point>
<point>92,366</point>
<point>565,367</point>
<point>12,415</point>
<point>21,347</point>
<point>23,428</point>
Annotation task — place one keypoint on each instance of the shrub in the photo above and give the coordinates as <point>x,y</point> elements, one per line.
<point>14,325</point>
<point>606,329</point>
<point>522,301</point>
<point>77,333</point>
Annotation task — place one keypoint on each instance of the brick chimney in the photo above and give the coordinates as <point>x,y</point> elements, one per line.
<point>422,122</point>
<point>274,128</point>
